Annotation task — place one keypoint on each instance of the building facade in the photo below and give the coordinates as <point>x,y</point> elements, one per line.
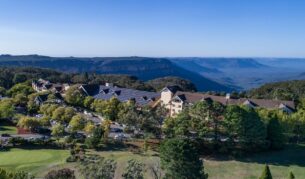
<point>175,101</point>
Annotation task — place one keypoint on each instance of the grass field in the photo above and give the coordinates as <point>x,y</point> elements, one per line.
<point>8,129</point>
<point>280,162</point>
<point>121,157</point>
<point>32,160</point>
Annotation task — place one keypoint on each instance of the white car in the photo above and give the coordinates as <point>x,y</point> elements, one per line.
<point>119,136</point>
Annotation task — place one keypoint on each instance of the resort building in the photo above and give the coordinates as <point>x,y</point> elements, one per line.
<point>175,101</point>
<point>107,91</point>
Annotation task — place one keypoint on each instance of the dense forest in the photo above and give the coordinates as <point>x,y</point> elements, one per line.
<point>10,76</point>
<point>287,90</point>
<point>160,83</point>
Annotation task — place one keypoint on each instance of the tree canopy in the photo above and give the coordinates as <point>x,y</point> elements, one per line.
<point>183,84</point>
<point>266,173</point>
<point>180,159</point>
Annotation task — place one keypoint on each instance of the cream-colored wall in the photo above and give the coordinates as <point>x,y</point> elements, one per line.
<point>176,108</point>
<point>173,106</point>
<point>166,97</point>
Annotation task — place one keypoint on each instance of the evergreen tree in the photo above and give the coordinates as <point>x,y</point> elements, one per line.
<point>245,125</point>
<point>180,159</point>
<point>291,175</point>
<point>266,173</point>
<point>206,116</point>
<point>255,131</point>
<point>94,140</point>
<point>275,134</point>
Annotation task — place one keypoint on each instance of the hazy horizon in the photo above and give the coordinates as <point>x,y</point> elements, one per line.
<point>72,56</point>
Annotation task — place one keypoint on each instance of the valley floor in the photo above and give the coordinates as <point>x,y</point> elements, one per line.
<point>40,161</point>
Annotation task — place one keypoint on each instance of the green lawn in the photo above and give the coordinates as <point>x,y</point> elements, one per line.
<point>7,129</point>
<point>32,160</point>
<point>281,162</point>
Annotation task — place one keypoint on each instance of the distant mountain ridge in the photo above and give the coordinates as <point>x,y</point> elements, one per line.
<point>142,67</point>
<point>207,73</point>
<point>213,62</point>
<point>245,73</point>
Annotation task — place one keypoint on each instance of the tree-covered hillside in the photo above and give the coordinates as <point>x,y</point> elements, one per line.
<point>10,76</point>
<point>160,83</point>
<point>287,90</point>
<point>144,68</point>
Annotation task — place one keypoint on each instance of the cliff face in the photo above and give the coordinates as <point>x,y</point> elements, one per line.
<point>141,67</point>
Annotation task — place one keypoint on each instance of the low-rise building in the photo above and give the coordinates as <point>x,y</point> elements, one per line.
<point>42,85</point>
<point>42,98</point>
<point>107,91</point>
<point>176,101</point>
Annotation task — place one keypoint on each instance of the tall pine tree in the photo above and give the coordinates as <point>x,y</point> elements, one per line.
<point>291,175</point>
<point>266,173</point>
<point>180,159</point>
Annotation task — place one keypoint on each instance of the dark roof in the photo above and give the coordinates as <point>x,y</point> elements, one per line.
<point>58,96</point>
<point>182,97</point>
<point>91,90</point>
<point>122,94</point>
<point>42,97</point>
<point>173,89</point>
<point>264,103</point>
<point>48,86</point>
<point>58,88</point>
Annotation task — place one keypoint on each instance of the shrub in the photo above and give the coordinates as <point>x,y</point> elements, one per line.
<point>64,173</point>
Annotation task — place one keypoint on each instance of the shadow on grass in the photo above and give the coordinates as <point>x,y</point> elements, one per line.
<point>113,146</point>
<point>120,147</point>
<point>7,127</point>
<point>291,155</point>
<point>34,147</point>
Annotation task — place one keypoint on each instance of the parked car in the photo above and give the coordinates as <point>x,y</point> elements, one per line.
<point>116,130</point>
<point>119,136</point>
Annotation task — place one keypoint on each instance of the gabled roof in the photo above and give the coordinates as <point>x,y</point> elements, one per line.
<point>42,97</point>
<point>58,88</point>
<point>172,89</point>
<point>122,94</point>
<point>249,103</point>
<point>181,97</point>
<point>90,90</point>
<point>264,103</point>
<point>58,96</point>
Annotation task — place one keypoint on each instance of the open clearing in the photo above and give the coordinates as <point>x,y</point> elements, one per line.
<point>7,129</point>
<point>281,162</point>
<point>32,160</point>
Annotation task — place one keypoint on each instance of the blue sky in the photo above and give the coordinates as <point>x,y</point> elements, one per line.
<point>230,28</point>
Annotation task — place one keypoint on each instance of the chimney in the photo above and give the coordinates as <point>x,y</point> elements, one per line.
<point>109,84</point>
<point>228,96</point>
